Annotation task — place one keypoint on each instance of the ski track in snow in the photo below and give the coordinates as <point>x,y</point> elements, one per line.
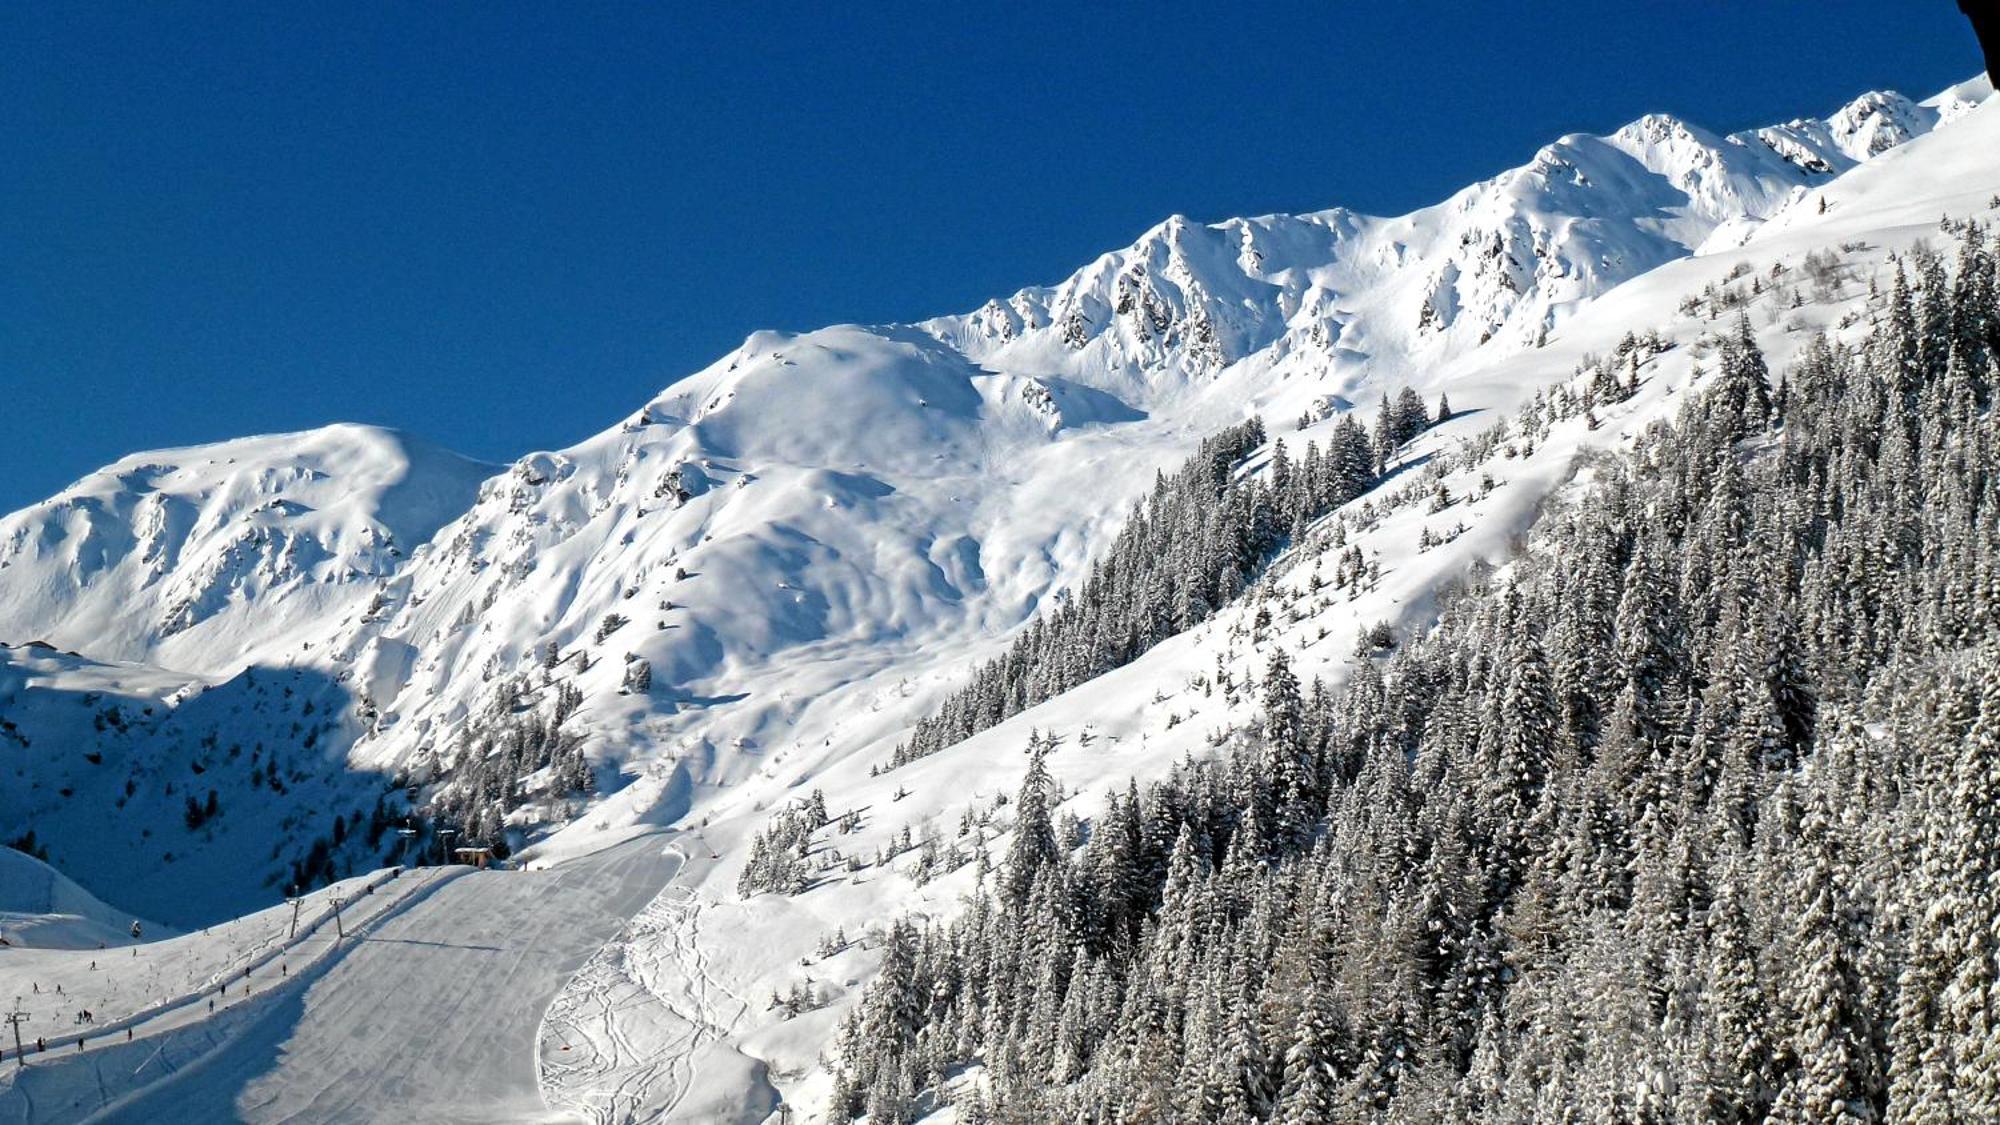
<point>619,1044</point>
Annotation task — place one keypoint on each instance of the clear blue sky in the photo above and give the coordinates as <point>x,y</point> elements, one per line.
<point>503,226</point>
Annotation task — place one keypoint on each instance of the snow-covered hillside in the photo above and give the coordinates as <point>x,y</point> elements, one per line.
<point>805,545</point>
<point>817,531</point>
<point>185,799</point>
<point>40,908</point>
<point>814,949</point>
<point>213,558</point>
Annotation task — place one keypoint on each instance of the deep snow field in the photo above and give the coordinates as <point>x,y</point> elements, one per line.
<point>809,542</point>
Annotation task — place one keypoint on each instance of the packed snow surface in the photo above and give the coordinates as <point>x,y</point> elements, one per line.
<point>429,1009</point>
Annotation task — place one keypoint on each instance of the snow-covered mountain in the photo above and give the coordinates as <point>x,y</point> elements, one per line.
<point>816,532</point>
<point>212,558</point>
<point>809,542</point>
<point>1335,294</point>
<point>1465,512</point>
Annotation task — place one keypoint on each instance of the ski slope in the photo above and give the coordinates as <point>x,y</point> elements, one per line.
<point>160,981</point>
<point>430,1013</point>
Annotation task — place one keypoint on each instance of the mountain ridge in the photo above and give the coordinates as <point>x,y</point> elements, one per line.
<point>814,510</point>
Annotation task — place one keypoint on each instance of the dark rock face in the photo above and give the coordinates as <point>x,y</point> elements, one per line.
<point>1985,17</point>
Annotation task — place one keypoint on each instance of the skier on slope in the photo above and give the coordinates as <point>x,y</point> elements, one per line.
<point>135,929</point>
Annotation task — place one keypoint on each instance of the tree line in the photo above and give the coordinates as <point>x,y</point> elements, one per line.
<point>1191,546</point>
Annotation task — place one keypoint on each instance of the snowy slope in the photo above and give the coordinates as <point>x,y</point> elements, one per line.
<point>810,540</point>
<point>42,909</point>
<point>1137,720</point>
<point>818,525</point>
<point>379,1033</point>
<point>818,499</point>
<point>208,559</point>
<point>807,540</point>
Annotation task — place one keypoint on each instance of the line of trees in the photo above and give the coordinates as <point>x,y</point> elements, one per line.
<point>1193,545</point>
